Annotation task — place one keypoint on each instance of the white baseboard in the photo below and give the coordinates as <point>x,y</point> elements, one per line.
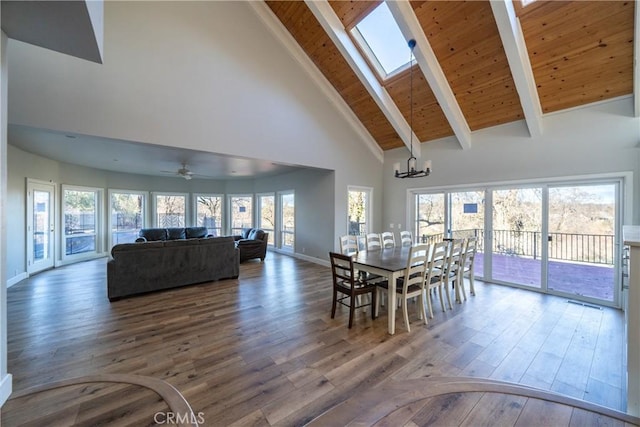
<point>15,279</point>
<point>312,259</point>
<point>5,389</point>
<point>302,257</point>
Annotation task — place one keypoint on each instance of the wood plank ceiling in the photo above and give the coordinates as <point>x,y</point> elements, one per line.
<point>580,52</point>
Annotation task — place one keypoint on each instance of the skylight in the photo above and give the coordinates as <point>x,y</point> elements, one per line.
<point>380,37</point>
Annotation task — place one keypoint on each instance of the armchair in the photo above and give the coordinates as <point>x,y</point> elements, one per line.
<point>252,243</point>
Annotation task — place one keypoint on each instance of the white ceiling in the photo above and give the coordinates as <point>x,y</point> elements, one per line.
<point>132,157</point>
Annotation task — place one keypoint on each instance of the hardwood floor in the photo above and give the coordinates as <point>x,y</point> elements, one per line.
<point>263,350</point>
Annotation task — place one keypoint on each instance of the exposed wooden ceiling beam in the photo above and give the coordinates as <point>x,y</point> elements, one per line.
<point>330,22</point>
<point>282,34</point>
<point>518,58</point>
<point>636,61</point>
<point>426,58</point>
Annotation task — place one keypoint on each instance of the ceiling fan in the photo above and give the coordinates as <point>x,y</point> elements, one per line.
<point>183,172</point>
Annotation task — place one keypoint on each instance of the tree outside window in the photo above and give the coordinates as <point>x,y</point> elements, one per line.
<point>170,210</point>
<point>209,213</point>
<point>80,221</point>
<point>126,217</point>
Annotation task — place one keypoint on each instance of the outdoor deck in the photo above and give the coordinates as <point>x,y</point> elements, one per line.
<point>580,279</point>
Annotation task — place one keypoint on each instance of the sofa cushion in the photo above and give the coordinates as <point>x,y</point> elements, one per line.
<point>176,233</point>
<point>196,232</point>
<point>244,234</point>
<point>127,247</point>
<point>255,234</point>
<point>153,234</point>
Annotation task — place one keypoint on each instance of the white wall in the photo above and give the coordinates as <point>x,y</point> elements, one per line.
<point>202,75</point>
<point>5,377</point>
<point>602,138</point>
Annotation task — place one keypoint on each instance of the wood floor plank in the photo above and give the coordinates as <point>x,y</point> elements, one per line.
<point>541,413</point>
<point>495,410</point>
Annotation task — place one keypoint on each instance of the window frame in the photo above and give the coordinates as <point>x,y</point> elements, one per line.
<point>145,206</point>
<point>230,197</point>
<point>271,231</point>
<point>280,222</point>
<point>194,219</point>
<point>154,206</point>
<point>368,205</point>
<point>98,225</point>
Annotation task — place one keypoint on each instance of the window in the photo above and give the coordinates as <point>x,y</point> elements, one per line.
<point>382,41</point>
<point>358,210</point>
<point>127,216</point>
<point>288,220</point>
<point>241,213</point>
<point>81,220</point>
<point>209,213</point>
<point>267,215</point>
<point>429,216</point>
<point>170,210</point>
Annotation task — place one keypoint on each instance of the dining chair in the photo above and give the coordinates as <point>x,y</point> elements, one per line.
<point>434,276</point>
<point>373,241</point>
<point>388,239</point>
<point>350,285</point>
<point>466,265</point>
<point>411,285</point>
<point>406,239</point>
<point>452,266</point>
<point>348,244</point>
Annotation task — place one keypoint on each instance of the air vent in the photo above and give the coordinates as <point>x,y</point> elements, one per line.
<point>585,304</point>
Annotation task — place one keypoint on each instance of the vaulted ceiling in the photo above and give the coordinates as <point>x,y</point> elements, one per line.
<point>479,63</point>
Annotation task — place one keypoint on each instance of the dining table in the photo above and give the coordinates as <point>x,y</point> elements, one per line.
<point>389,263</point>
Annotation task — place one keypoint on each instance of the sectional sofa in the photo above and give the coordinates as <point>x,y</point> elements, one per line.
<point>152,265</point>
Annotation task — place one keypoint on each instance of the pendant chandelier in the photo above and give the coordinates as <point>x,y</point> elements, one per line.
<point>412,171</point>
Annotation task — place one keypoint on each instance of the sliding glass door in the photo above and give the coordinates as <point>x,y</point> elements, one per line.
<point>517,236</point>
<point>560,238</point>
<point>466,219</point>
<point>581,242</point>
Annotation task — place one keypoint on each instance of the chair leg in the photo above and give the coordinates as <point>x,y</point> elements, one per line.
<point>430,303</point>
<point>352,309</point>
<point>445,286</point>
<point>374,303</point>
<point>405,314</point>
<point>460,282</point>
<point>442,300</point>
<point>422,304</point>
<point>456,289</point>
<point>472,290</point>
<point>333,306</point>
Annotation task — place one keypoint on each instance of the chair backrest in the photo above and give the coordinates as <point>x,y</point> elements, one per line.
<point>342,270</point>
<point>388,239</point>
<point>436,267</point>
<point>348,244</point>
<point>469,253</point>
<point>416,266</point>
<point>455,258</point>
<point>373,241</point>
<point>406,239</point>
